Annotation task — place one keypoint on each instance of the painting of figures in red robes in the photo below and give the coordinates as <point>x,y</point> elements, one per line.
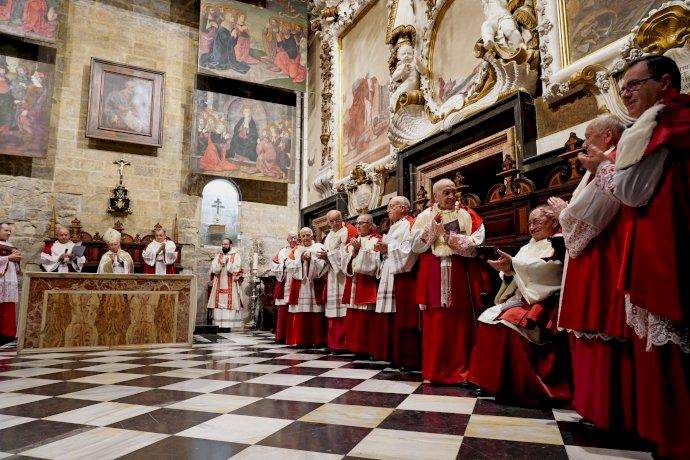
<point>35,19</point>
<point>244,138</point>
<point>250,43</point>
<point>364,109</point>
<point>26,89</point>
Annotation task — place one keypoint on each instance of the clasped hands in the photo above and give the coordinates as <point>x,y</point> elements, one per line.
<point>436,229</point>
<point>15,256</point>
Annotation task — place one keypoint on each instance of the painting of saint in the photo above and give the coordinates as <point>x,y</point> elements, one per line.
<point>593,24</point>
<point>454,73</point>
<point>127,103</point>
<point>25,95</point>
<point>244,138</point>
<point>364,112</point>
<point>35,19</point>
<point>261,45</point>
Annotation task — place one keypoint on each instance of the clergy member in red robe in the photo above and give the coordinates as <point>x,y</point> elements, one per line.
<point>366,333</point>
<point>9,289</point>
<point>449,284</point>
<point>57,255</point>
<point>592,309</point>
<point>652,180</point>
<point>519,355</point>
<point>341,233</point>
<point>160,255</point>
<point>282,289</point>
<point>397,282</point>
<point>307,297</point>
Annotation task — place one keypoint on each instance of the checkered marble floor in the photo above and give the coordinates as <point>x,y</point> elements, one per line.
<point>240,395</point>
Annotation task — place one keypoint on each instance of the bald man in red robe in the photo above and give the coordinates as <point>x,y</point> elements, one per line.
<point>592,309</point>
<point>449,284</point>
<point>652,180</point>
<point>364,333</point>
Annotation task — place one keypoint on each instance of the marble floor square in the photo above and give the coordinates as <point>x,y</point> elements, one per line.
<point>239,395</point>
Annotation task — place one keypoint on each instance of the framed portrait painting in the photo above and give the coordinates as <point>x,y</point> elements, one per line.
<point>26,91</point>
<point>125,104</point>
<point>243,138</point>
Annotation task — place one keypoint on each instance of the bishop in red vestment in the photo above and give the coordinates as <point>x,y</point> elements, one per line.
<point>281,294</point>
<point>592,309</point>
<point>652,180</point>
<point>365,333</point>
<point>307,299</point>
<point>397,282</point>
<point>449,284</point>
<point>9,289</point>
<point>519,355</point>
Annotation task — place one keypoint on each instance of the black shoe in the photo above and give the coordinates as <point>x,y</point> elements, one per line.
<point>467,385</point>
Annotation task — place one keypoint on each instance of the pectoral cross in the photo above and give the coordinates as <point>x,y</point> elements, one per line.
<point>121,167</point>
<point>218,205</point>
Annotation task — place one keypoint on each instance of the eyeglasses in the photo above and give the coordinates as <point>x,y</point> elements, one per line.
<point>633,85</point>
<point>363,223</point>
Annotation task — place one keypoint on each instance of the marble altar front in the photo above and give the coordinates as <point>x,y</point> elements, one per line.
<point>77,311</point>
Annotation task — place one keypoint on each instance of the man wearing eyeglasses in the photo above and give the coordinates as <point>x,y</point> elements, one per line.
<point>652,180</point>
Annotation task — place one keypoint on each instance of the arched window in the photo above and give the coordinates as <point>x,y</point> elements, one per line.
<point>220,212</point>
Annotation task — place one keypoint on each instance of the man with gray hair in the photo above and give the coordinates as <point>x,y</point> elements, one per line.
<point>58,256</point>
<point>592,310</point>
<point>282,289</point>
<point>449,283</point>
<point>365,332</point>
<point>397,282</point>
<point>339,235</point>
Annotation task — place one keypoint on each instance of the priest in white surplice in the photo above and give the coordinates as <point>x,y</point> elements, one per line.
<point>116,260</point>
<point>57,256</point>
<point>160,255</point>
<point>518,353</point>
<point>341,232</point>
<point>282,290</point>
<point>9,290</point>
<point>226,273</point>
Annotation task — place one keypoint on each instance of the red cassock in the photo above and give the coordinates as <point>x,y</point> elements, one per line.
<point>8,323</point>
<point>448,334</point>
<point>306,328</point>
<point>336,326</point>
<point>363,332</point>
<point>406,335</point>
<point>602,359</point>
<point>656,276</point>
<point>281,312</point>
<point>510,366</point>
<point>151,270</point>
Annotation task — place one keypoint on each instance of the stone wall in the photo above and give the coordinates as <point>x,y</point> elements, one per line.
<point>77,174</point>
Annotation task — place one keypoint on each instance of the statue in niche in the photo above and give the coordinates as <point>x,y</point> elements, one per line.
<point>405,73</point>
<point>509,31</point>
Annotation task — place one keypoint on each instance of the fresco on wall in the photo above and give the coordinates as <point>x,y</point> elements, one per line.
<point>454,64</point>
<point>593,24</point>
<point>259,45</point>
<point>365,114</point>
<point>245,138</point>
<point>36,19</point>
<point>25,104</point>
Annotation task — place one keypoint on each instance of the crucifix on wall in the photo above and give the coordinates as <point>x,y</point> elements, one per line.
<point>217,205</point>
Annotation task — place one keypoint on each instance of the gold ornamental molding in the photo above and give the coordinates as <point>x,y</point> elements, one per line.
<point>664,30</point>
<point>587,76</point>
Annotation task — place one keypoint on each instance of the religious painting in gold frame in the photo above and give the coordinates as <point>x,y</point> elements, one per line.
<point>587,26</point>
<point>453,67</point>
<point>364,114</point>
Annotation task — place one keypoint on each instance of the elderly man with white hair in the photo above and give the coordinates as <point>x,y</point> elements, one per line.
<point>397,282</point>
<point>449,283</point>
<point>519,355</point>
<point>592,308</point>
<point>366,332</point>
<point>160,254</point>
<point>10,257</point>
<point>283,281</point>
<point>341,233</point>
<point>116,260</point>
<point>307,296</point>
<point>58,256</point>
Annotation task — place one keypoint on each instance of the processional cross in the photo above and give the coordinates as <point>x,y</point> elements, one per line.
<point>121,167</point>
<point>218,205</point>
